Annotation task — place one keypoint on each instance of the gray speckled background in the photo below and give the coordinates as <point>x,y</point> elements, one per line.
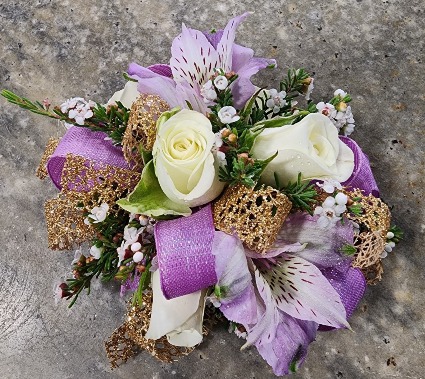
<point>59,49</point>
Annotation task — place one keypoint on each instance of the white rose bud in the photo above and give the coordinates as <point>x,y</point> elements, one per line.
<point>310,146</point>
<point>126,96</point>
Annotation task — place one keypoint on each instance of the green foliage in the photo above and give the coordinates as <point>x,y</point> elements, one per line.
<point>145,279</point>
<point>398,234</point>
<point>32,106</point>
<point>244,171</point>
<point>355,209</point>
<point>128,78</point>
<point>302,195</point>
<point>149,199</point>
<point>111,120</point>
<point>294,83</point>
<point>348,249</point>
<point>107,265</point>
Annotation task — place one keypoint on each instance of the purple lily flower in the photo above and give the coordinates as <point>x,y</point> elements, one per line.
<point>298,287</point>
<point>195,57</point>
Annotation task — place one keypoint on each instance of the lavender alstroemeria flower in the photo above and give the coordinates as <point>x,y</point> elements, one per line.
<point>195,57</point>
<point>298,287</point>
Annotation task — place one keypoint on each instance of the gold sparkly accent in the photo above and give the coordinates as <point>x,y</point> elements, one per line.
<point>375,214</point>
<point>370,246</point>
<point>256,216</point>
<point>373,274</point>
<point>65,223</point>
<point>141,127</point>
<point>85,185</point>
<point>127,339</point>
<point>51,146</point>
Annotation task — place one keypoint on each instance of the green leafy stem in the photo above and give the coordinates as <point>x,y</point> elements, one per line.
<point>111,119</point>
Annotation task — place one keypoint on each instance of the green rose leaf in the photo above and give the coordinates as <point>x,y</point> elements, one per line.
<point>149,199</point>
<point>279,121</point>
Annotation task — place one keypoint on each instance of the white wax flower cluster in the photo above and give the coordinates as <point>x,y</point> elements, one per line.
<point>78,109</point>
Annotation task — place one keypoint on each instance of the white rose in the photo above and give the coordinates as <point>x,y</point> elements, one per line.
<point>185,166</point>
<point>310,146</point>
<point>126,96</point>
<point>180,319</point>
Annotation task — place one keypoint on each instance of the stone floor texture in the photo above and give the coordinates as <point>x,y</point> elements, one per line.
<point>58,49</point>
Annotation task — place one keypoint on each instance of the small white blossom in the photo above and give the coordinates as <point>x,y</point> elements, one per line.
<point>216,149</point>
<point>98,214</point>
<point>136,246</point>
<point>221,82</point>
<point>389,246</point>
<point>95,251</point>
<point>228,115</point>
<point>390,235</point>
<point>330,185</point>
<point>326,109</point>
<point>341,201</point>
<point>131,234</point>
<point>277,100</point>
<point>219,138</point>
<point>77,255</point>
<point>78,109</point>
<point>138,256</point>
<point>342,117</point>
<point>331,210</point>
<point>340,92</point>
<point>208,92</point>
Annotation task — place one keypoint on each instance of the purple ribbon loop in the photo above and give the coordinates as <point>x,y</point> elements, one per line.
<point>362,176</point>
<point>85,143</point>
<point>184,250</point>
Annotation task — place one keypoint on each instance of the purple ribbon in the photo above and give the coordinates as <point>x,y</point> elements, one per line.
<point>184,250</point>
<point>85,143</point>
<point>362,176</point>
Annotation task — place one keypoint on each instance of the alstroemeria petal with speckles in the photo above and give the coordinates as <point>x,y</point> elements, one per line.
<point>300,290</point>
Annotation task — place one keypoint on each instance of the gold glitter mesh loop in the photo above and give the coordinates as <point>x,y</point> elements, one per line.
<point>375,214</point>
<point>373,274</point>
<point>370,246</point>
<point>85,185</point>
<point>129,338</point>
<point>65,224</point>
<point>141,127</point>
<point>256,216</point>
<point>51,146</point>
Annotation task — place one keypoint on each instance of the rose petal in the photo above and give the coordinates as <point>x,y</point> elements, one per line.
<point>175,316</point>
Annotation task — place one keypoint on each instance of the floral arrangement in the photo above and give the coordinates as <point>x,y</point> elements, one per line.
<point>211,199</point>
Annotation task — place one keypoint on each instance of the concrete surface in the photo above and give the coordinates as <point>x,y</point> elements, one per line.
<point>59,49</point>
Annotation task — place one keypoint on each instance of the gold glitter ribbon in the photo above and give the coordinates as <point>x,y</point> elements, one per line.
<point>85,185</point>
<point>141,127</point>
<point>128,339</point>
<point>51,146</point>
<point>256,216</point>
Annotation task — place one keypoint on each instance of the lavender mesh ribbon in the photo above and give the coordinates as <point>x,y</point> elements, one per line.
<point>184,250</point>
<point>83,142</point>
<point>362,176</point>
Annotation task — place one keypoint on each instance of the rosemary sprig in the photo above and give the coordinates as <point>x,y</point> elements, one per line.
<point>302,195</point>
